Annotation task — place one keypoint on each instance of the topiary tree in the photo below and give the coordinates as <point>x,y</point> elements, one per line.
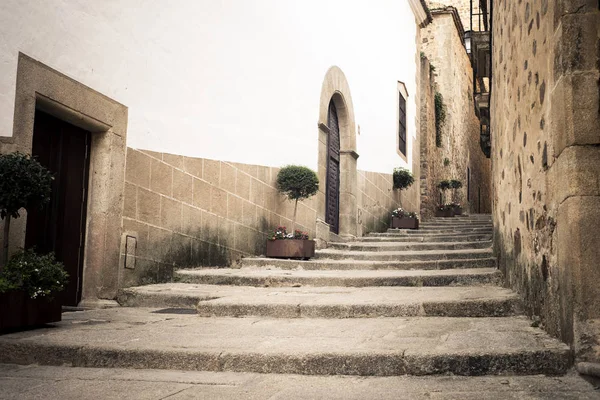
<point>297,183</point>
<point>444,186</point>
<point>24,183</point>
<point>455,185</point>
<point>403,178</point>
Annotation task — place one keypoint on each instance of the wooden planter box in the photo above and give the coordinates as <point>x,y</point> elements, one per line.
<point>444,213</point>
<point>458,210</point>
<point>291,248</point>
<point>405,223</point>
<point>18,310</point>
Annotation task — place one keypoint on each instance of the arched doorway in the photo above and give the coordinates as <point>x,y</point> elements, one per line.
<point>332,195</point>
<point>337,209</point>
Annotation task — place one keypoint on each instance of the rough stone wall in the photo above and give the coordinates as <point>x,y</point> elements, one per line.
<point>545,136</point>
<point>187,211</point>
<point>464,11</point>
<point>450,67</point>
<point>377,199</point>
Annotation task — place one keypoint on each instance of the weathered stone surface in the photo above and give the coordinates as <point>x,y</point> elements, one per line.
<point>404,255</point>
<point>141,338</point>
<point>352,278</point>
<point>34,382</point>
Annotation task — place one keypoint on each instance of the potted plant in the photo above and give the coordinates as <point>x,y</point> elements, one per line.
<point>24,183</point>
<point>455,185</point>
<point>402,178</point>
<point>297,183</point>
<point>446,210</point>
<point>28,285</point>
<point>402,219</point>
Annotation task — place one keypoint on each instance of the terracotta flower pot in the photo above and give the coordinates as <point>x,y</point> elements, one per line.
<point>18,310</point>
<point>444,213</point>
<point>405,223</point>
<point>291,248</point>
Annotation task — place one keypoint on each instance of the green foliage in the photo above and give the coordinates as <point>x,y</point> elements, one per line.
<point>281,233</point>
<point>444,185</point>
<point>24,183</point>
<point>297,182</point>
<point>455,184</point>
<point>440,118</point>
<point>403,178</point>
<point>37,275</point>
<point>446,162</point>
<point>402,213</point>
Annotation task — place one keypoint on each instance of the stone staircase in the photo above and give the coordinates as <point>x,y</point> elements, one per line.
<point>400,302</point>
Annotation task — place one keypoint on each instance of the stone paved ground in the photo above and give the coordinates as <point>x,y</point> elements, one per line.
<point>42,382</point>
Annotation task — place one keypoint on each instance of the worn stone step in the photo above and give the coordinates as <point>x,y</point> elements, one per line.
<point>411,255</point>
<point>431,238</point>
<point>451,230</point>
<point>387,246</point>
<point>456,221</point>
<point>145,339</point>
<point>320,264</point>
<point>326,302</point>
<point>344,278</point>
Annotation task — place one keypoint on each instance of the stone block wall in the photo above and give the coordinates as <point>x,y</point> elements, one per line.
<point>377,198</point>
<point>545,137</point>
<point>446,69</point>
<point>192,212</point>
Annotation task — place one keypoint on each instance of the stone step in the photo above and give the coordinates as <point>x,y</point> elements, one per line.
<point>430,232</point>
<point>387,246</point>
<point>326,302</point>
<point>319,264</point>
<point>430,238</point>
<point>142,338</point>
<point>425,255</point>
<point>345,278</point>
<point>427,225</point>
<point>447,230</point>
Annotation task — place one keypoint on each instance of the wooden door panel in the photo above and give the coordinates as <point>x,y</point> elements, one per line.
<point>332,195</point>
<point>60,227</point>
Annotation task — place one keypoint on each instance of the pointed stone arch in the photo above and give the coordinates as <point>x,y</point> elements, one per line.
<point>335,89</point>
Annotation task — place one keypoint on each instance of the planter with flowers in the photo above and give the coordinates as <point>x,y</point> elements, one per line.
<point>445,211</point>
<point>29,283</point>
<point>296,183</point>
<point>402,219</point>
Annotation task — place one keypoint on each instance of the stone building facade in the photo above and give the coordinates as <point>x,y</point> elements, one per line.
<point>446,70</point>
<point>546,162</point>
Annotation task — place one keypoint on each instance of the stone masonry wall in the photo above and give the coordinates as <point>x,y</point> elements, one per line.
<point>545,136</point>
<point>464,11</point>
<point>442,46</point>
<point>193,212</point>
<point>198,212</point>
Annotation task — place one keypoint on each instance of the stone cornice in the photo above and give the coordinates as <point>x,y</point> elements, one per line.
<point>421,12</point>
<point>455,16</point>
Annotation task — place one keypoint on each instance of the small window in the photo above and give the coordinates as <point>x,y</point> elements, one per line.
<point>402,124</point>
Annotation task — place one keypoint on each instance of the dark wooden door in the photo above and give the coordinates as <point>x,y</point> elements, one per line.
<point>332,195</point>
<point>60,227</point>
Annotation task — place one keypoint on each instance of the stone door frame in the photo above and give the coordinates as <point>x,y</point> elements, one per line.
<point>335,87</point>
<point>41,87</point>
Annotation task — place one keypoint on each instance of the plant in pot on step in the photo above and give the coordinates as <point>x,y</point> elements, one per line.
<point>297,183</point>
<point>444,209</point>
<point>27,281</point>
<point>402,219</point>
<point>403,179</point>
<point>454,186</point>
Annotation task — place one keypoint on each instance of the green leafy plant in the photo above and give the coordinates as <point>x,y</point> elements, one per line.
<point>446,162</point>
<point>297,183</point>
<point>24,183</point>
<point>37,275</point>
<point>440,117</point>
<point>455,185</point>
<point>402,178</point>
<point>402,213</point>
<point>444,186</point>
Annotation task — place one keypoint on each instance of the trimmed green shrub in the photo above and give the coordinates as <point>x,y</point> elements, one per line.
<point>297,183</point>
<point>403,178</point>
